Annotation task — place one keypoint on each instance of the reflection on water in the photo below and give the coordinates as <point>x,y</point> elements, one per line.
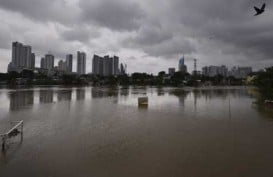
<point>181,94</point>
<point>64,95</point>
<point>20,100</point>
<point>215,131</point>
<point>172,98</point>
<point>105,92</point>
<point>46,96</point>
<point>128,96</point>
<point>80,94</point>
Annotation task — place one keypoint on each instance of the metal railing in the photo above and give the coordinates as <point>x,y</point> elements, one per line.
<point>12,132</point>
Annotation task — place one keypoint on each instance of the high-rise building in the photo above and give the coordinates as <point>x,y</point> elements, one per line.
<point>21,57</point>
<point>81,62</point>
<point>240,72</point>
<point>49,61</point>
<point>16,49</point>
<point>212,71</point>
<point>115,66</point>
<point>96,65</point>
<point>42,66</point>
<point>122,69</point>
<point>182,67</point>
<point>105,66</point>
<point>62,66</point>
<point>171,71</point>
<point>26,57</point>
<point>32,65</point>
<point>69,63</point>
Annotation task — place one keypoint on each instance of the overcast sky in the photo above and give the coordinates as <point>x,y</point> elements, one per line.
<point>148,35</point>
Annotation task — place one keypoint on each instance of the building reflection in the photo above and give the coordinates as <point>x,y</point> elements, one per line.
<point>64,95</point>
<point>139,90</point>
<point>80,94</point>
<point>181,94</point>
<point>46,96</point>
<point>124,91</point>
<point>20,100</point>
<point>160,91</point>
<point>219,93</point>
<point>104,92</point>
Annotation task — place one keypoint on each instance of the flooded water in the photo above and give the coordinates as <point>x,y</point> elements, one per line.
<point>102,132</point>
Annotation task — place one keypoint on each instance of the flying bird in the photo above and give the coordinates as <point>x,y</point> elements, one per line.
<point>259,11</point>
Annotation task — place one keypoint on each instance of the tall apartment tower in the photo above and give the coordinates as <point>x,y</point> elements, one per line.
<point>81,62</point>
<point>105,66</point>
<point>21,56</point>
<point>16,50</point>
<point>32,65</point>
<point>49,61</point>
<point>116,65</point>
<point>122,69</point>
<point>69,63</point>
<point>96,65</point>
<point>62,66</point>
<point>182,67</point>
<point>42,66</point>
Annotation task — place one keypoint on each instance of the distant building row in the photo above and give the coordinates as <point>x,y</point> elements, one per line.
<point>23,58</point>
<point>47,62</point>
<point>237,72</point>
<point>107,66</point>
<point>211,71</point>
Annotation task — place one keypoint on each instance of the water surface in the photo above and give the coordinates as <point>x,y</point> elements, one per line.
<point>102,132</point>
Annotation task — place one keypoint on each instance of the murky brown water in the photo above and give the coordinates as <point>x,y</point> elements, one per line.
<point>102,132</point>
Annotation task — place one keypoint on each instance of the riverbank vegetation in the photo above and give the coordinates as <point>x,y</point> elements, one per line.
<point>177,79</point>
<point>264,81</point>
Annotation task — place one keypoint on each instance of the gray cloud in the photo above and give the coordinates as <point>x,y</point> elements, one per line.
<point>54,10</point>
<point>116,15</point>
<point>151,35</point>
<point>81,34</point>
<point>5,37</point>
<point>214,31</point>
<point>231,23</point>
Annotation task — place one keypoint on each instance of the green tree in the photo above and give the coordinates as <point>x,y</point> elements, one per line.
<point>264,81</point>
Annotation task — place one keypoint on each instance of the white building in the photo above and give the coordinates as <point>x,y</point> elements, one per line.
<point>240,72</point>
<point>62,66</point>
<point>212,71</point>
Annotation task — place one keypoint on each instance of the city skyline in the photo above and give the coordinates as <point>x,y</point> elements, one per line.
<point>146,39</point>
<point>23,58</point>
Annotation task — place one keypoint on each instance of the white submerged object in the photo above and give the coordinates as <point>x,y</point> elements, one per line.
<point>143,101</point>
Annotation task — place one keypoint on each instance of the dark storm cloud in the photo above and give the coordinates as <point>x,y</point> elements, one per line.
<point>228,26</point>
<point>151,35</point>
<point>230,22</point>
<point>81,34</point>
<point>42,10</point>
<point>214,30</point>
<point>115,15</point>
<point>171,48</point>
